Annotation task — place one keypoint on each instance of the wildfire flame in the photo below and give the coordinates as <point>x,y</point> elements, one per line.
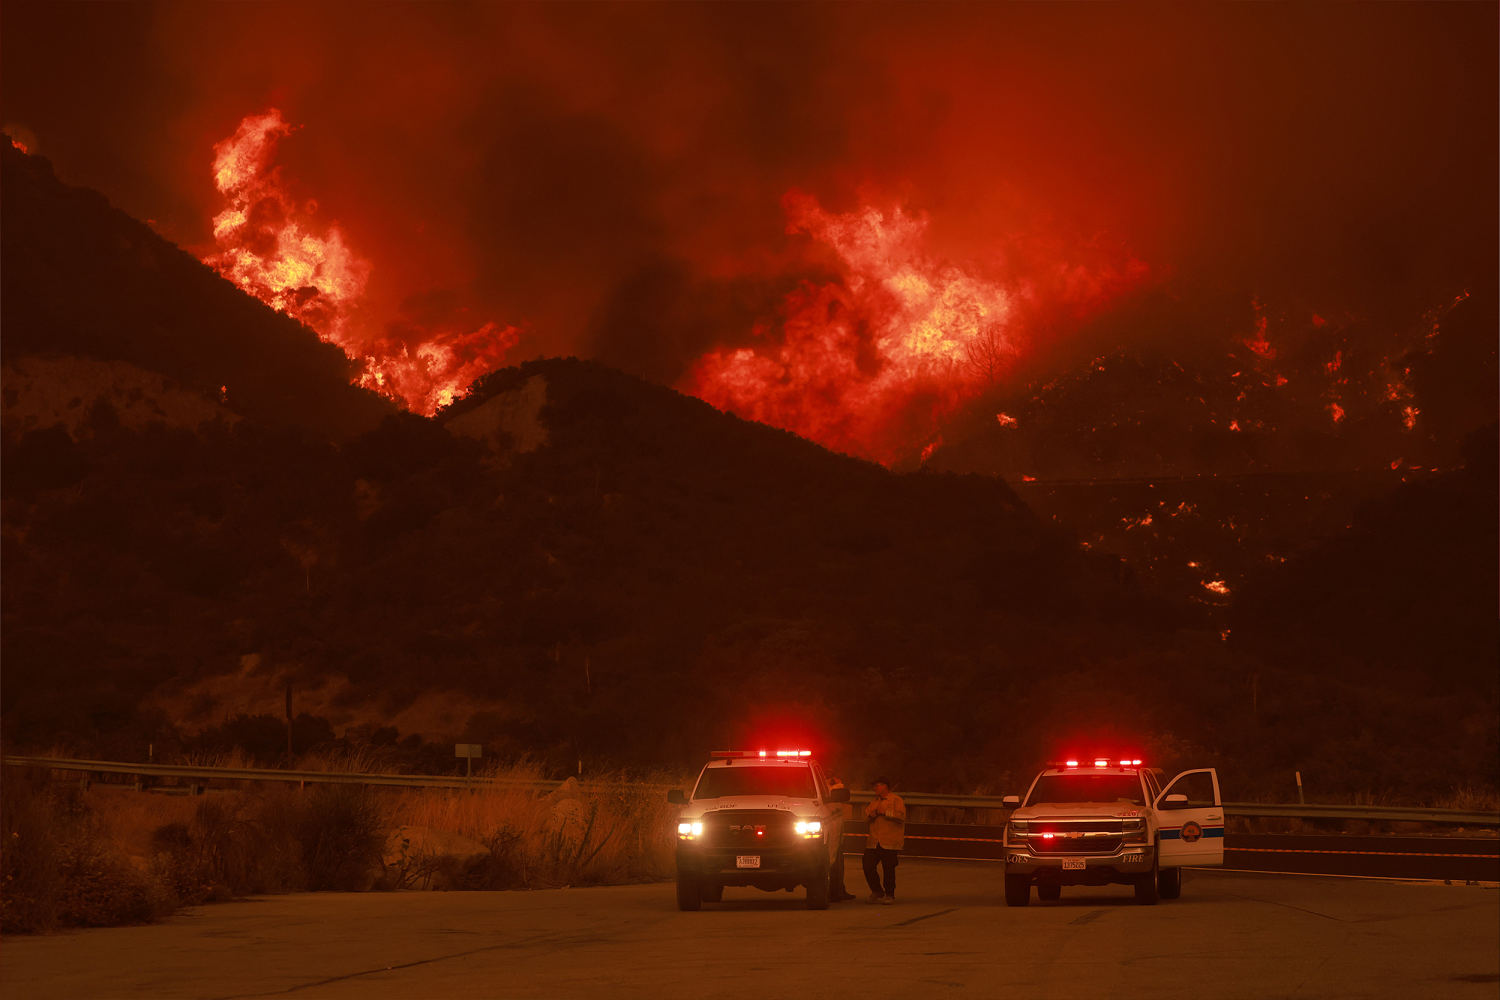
<point>869,363</point>
<point>270,247</point>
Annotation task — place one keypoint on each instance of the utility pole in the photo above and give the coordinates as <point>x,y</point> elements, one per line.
<point>289,723</point>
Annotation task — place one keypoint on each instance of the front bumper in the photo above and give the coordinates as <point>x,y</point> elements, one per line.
<point>1126,865</point>
<point>781,865</point>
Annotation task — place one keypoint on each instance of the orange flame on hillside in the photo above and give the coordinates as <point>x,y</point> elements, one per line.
<point>868,364</point>
<point>270,247</point>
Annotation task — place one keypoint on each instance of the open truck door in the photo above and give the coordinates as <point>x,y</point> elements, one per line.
<point>1190,820</point>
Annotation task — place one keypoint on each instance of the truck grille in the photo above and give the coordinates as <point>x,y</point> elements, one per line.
<point>749,828</point>
<point>1080,845</point>
<point>1076,836</point>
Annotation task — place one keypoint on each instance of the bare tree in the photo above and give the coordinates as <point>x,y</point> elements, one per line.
<point>989,354</point>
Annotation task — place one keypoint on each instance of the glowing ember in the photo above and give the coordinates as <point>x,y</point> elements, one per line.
<point>1259,343</point>
<point>1217,586</point>
<point>270,247</point>
<point>19,145</point>
<point>1336,413</point>
<point>1006,420</point>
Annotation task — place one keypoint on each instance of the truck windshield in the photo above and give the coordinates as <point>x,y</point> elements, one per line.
<point>791,782</point>
<point>1086,788</point>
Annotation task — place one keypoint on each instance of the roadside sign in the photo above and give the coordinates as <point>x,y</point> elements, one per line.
<point>468,751</point>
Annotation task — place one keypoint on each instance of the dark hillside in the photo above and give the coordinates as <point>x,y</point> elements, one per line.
<point>1407,597</point>
<point>80,278</point>
<point>576,565</point>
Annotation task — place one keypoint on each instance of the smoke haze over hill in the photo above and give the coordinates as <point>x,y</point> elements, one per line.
<point>549,167</point>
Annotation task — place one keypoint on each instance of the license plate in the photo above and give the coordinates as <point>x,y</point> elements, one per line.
<point>747,861</point>
<point>1073,864</point>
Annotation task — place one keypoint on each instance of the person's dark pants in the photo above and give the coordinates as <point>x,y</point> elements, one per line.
<point>836,889</point>
<point>886,859</point>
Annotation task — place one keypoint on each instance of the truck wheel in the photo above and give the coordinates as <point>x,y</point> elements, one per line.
<point>711,892</point>
<point>1049,893</point>
<point>689,893</point>
<point>1145,888</point>
<point>1169,883</point>
<point>817,888</point>
<point>1017,890</point>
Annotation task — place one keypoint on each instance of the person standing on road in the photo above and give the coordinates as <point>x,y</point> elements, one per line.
<point>886,816</point>
<point>837,892</point>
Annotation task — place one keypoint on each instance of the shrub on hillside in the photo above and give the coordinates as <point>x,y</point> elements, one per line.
<point>59,870</point>
<point>340,829</point>
<point>30,856</point>
<point>226,850</point>
<point>284,840</point>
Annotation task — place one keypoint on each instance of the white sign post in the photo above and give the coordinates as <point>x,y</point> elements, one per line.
<point>468,751</point>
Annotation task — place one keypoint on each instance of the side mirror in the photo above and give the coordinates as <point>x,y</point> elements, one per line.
<point>838,795</point>
<point>1012,801</point>
<point>676,797</point>
<point>1174,802</point>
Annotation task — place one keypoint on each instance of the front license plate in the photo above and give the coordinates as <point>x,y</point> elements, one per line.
<point>747,861</point>
<point>1073,864</point>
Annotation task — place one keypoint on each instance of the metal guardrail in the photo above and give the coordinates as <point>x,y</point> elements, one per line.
<point>204,774</point>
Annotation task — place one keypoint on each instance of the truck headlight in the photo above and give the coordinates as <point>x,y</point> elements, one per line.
<point>1134,830</point>
<point>687,831</point>
<point>808,827</point>
<point>1017,829</point>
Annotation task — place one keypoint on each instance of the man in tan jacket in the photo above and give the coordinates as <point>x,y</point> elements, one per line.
<point>886,816</point>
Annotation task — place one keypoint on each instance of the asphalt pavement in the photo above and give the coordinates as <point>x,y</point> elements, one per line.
<point>1231,935</point>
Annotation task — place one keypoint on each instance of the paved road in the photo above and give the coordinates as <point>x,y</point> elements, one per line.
<point>1230,936</point>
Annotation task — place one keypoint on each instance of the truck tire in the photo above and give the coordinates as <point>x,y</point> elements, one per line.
<point>689,893</point>
<point>817,888</point>
<point>1145,887</point>
<point>1049,893</point>
<point>711,892</point>
<point>1169,883</point>
<point>1017,890</point>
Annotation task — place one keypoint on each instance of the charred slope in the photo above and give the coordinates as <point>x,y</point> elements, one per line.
<point>654,578</point>
<point>592,567</point>
<point>1407,596</point>
<point>80,278</point>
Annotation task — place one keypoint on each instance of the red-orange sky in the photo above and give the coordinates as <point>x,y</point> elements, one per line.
<point>611,178</point>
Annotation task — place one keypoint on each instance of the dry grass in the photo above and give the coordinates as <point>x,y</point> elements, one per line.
<point>86,855</point>
<point>1471,799</point>
<point>595,832</point>
<point>235,758</point>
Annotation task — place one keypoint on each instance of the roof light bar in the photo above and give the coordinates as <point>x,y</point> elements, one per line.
<point>1097,762</point>
<point>757,754</point>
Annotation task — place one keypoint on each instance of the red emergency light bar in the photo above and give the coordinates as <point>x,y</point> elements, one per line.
<point>742,754</point>
<point>1099,762</point>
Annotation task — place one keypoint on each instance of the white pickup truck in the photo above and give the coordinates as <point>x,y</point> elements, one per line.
<point>1102,820</point>
<point>763,818</point>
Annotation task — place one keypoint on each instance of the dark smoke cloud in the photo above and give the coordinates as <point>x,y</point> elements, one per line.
<point>611,176</point>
